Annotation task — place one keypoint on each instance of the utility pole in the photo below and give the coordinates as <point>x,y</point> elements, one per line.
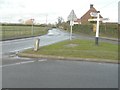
<point>32,26</point>
<point>46,18</point>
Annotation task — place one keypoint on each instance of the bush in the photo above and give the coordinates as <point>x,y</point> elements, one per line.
<point>106,29</point>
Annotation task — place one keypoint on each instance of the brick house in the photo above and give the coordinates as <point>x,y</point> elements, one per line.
<point>86,16</point>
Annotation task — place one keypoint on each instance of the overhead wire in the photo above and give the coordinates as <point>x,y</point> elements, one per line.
<point>111,3</point>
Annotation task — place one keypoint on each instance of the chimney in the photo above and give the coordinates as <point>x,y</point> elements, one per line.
<point>91,6</point>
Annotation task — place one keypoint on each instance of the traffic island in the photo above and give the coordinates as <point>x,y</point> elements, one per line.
<point>49,57</point>
<point>83,50</point>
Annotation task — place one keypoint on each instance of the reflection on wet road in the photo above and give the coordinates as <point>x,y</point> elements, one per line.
<point>21,44</point>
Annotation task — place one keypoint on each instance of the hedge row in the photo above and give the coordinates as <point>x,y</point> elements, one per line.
<point>106,30</point>
<point>12,24</point>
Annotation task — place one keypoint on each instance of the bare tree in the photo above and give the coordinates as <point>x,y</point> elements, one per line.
<point>21,21</point>
<point>60,20</point>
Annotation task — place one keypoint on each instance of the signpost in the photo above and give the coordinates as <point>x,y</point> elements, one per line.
<point>97,29</point>
<point>93,14</point>
<point>100,19</point>
<point>72,17</point>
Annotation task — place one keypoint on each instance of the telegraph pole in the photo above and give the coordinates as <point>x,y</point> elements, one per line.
<point>32,26</point>
<point>46,18</point>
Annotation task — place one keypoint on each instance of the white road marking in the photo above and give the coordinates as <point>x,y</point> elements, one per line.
<point>42,60</point>
<point>26,62</point>
<point>16,64</point>
<point>22,63</point>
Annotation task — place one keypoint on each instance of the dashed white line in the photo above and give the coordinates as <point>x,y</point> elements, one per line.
<point>26,62</point>
<point>22,63</point>
<point>42,60</point>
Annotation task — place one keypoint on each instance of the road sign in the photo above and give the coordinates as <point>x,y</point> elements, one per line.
<point>93,14</point>
<point>105,19</point>
<point>71,23</point>
<point>100,19</point>
<point>72,16</point>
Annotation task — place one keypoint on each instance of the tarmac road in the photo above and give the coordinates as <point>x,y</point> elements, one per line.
<point>45,73</point>
<point>21,44</point>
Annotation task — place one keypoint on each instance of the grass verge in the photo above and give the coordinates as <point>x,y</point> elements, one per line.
<point>13,32</point>
<point>79,49</point>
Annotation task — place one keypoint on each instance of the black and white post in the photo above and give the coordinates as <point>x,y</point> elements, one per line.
<point>97,29</point>
<point>98,19</point>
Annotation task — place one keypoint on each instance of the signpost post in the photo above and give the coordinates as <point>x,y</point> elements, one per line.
<point>93,14</point>
<point>72,17</point>
<point>97,28</point>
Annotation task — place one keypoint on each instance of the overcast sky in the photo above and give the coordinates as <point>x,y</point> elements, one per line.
<point>13,10</point>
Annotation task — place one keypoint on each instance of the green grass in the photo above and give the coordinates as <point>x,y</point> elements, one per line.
<point>79,49</point>
<point>9,32</point>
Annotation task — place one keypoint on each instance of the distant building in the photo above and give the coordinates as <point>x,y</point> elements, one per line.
<point>86,16</point>
<point>29,21</point>
<point>77,21</point>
